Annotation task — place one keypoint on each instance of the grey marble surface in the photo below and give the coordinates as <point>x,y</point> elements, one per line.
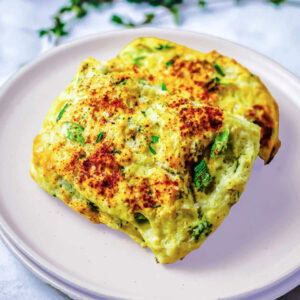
<point>274,32</point>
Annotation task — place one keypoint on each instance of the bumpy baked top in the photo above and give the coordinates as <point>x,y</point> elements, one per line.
<point>139,145</point>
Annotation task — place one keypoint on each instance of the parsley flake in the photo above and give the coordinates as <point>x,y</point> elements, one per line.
<point>82,155</point>
<point>170,63</point>
<point>163,87</point>
<point>220,144</point>
<point>93,207</point>
<point>202,177</point>
<point>99,137</point>
<point>152,150</point>
<point>74,132</point>
<point>164,47</point>
<point>137,60</point>
<point>60,114</point>
<point>140,218</point>
<point>155,139</point>
<point>203,227</point>
<point>219,70</point>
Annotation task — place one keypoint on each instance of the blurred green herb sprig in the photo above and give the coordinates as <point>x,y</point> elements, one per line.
<point>78,9</point>
<point>119,20</point>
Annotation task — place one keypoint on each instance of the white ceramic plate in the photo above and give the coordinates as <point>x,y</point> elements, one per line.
<point>43,275</point>
<point>271,293</point>
<point>256,248</point>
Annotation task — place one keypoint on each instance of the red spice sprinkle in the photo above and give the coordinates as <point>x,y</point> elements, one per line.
<point>197,120</point>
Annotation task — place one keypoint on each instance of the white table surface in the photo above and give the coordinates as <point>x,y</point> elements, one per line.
<point>274,32</point>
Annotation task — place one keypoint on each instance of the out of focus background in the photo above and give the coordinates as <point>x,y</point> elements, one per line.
<point>30,27</point>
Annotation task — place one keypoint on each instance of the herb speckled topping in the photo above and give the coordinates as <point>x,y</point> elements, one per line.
<point>144,144</point>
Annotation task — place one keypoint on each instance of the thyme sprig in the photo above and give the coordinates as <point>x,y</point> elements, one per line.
<point>129,23</point>
<point>78,9</point>
<point>75,9</point>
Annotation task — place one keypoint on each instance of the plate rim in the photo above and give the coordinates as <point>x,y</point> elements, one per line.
<point>68,278</point>
<point>35,269</point>
<point>47,278</point>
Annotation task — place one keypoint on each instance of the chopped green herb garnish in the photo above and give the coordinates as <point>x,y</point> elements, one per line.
<point>144,113</point>
<point>137,60</point>
<point>154,139</point>
<point>82,155</point>
<point>203,227</point>
<point>139,128</point>
<point>219,70</point>
<point>83,116</point>
<point>99,137</point>
<point>123,82</point>
<point>152,150</point>
<point>163,87</point>
<point>60,114</point>
<point>220,144</point>
<point>216,80</point>
<point>93,207</point>
<point>74,132</point>
<point>140,218</point>
<point>170,63</point>
<point>115,151</point>
<point>156,205</point>
<point>164,47</point>
<point>213,84</point>
<point>202,177</point>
